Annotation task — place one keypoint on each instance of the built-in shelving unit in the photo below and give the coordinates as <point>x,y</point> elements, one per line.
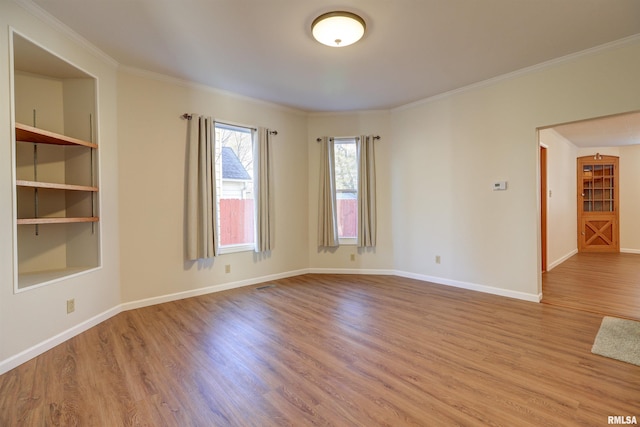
<point>55,167</point>
<point>25,133</point>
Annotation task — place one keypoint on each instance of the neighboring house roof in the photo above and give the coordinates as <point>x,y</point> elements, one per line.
<point>232,168</point>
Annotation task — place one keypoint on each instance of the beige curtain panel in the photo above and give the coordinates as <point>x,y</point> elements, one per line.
<point>201,190</point>
<point>366,192</point>
<point>263,190</point>
<point>327,212</point>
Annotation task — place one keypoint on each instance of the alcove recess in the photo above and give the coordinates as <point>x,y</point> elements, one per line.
<point>56,167</point>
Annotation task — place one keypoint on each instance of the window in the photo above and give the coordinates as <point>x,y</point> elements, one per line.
<point>234,188</point>
<point>346,172</point>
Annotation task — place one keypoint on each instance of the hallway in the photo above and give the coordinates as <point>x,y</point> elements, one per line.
<point>602,283</point>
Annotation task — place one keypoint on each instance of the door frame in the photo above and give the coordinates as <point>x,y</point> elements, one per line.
<point>543,206</point>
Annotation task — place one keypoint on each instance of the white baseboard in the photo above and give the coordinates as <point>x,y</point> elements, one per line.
<point>472,286</point>
<point>370,272</point>
<point>209,289</point>
<point>562,259</point>
<point>48,344</point>
<point>630,251</point>
<point>556,263</point>
<point>439,280</point>
<point>30,353</point>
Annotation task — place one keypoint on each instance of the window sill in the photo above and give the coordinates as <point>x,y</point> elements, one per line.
<point>236,248</point>
<point>348,241</point>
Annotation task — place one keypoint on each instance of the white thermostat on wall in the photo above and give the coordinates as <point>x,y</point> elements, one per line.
<point>499,185</point>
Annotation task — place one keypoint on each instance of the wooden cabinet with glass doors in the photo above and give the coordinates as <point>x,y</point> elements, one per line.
<point>598,197</point>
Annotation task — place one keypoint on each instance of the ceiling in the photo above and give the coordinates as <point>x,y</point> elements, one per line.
<point>413,49</point>
<point>613,131</point>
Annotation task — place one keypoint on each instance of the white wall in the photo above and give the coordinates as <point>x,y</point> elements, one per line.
<point>630,198</point>
<point>562,212</point>
<point>605,151</point>
<point>380,258</point>
<point>448,151</point>
<point>37,316</point>
<point>152,139</point>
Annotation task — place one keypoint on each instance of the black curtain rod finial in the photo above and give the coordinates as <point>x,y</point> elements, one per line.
<point>186,116</point>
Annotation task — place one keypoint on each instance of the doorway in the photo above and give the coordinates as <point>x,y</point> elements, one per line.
<point>567,271</point>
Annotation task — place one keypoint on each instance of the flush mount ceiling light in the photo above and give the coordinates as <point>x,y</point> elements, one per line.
<point>338,29</point>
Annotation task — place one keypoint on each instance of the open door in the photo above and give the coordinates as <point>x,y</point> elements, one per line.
<point>543,207</point>
<point>598,213</point>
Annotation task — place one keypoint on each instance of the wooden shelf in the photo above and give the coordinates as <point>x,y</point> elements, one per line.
<point>27,133</point>
<point>34,221</point>
<point>54,186</point>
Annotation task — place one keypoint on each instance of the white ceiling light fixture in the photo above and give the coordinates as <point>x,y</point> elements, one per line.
<point>338,29</point>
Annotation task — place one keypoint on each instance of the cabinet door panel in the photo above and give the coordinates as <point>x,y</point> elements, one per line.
<point>598,214</point>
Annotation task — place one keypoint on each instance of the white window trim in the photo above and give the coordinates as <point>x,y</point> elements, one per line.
<point>348,241</point>
<point>244,247</point>
<point>230,249</point>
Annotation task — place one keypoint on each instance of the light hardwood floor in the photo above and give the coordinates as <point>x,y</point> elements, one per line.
<point>328,350</point>
<point>606,284</point>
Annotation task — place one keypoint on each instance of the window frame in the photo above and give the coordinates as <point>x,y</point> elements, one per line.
<point>348,241</point>
<point>241,247</point>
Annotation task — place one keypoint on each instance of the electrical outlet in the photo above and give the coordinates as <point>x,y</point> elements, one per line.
<point>437,259</point>
<point>227,268</point>
<point>352,257</point>
<point>71,305</point>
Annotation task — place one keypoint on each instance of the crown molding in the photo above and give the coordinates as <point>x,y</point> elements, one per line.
<point>45,16</point>
<point>522,72</point>
<point>198,86</point>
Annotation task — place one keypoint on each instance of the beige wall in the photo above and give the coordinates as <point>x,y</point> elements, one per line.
<point>562,212</point>
<point>630,198</point>
<point>45,96</point>
<point>38,315</point>
<point>152,139</point>
<point>352,124</point>
<point>448,151</point>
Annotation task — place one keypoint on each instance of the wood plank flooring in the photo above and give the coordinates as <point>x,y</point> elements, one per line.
<point>606,284</point>
<point>328,350</point>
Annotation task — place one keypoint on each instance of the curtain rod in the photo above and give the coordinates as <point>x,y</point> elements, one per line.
<point>346,137</point>
<point>188,116</point>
